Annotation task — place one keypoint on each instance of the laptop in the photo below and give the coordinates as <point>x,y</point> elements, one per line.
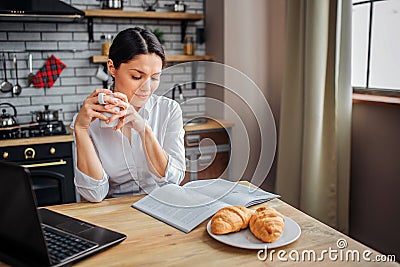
<point>31,236</point>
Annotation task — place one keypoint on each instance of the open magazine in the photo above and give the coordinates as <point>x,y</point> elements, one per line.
<point>185,207</point>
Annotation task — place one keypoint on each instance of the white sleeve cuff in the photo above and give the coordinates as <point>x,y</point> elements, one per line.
<point>91,189</point>
<point>174,172</point>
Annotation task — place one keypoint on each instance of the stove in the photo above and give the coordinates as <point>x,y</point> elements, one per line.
<point>50,164</point>
<point>34,129</point>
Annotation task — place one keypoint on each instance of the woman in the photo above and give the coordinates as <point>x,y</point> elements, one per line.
<point>145,149</point>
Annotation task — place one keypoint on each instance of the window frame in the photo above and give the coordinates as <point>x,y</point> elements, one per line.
<point>367,89</point>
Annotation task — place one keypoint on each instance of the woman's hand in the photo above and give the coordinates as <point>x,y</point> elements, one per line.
<point>132,119</point>
<point>92,109</point>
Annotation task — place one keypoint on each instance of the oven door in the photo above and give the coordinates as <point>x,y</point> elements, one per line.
<point>52,181</point>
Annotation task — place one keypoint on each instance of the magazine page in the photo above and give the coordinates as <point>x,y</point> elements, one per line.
<point>230,192</point>
<point>185,207</point>
<point>181,208</point>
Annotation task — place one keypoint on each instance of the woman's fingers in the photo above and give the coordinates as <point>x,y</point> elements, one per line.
<point>117,99</point>
<point>101,116</point>
<point>92,114</point>
<point>104,99</point>
<point>120,123</point>
<point>112,118</point>
<point>116,105</point>
<point>92,109</point>
<point>100,90</point>
<point>121,96</point>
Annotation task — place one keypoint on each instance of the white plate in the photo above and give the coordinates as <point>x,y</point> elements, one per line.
<point>245,239</point>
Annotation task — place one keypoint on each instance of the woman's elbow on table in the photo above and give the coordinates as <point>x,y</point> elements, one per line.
<point>175,172</point>
<point>91,189</point>
<point>90,196</point>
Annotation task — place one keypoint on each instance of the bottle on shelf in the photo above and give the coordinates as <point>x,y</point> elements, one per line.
<point>188,45</point>
<point>106,41</point>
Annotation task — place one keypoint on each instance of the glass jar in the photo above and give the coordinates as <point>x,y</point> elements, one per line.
<point>106,41</point>
<point>188,46</point>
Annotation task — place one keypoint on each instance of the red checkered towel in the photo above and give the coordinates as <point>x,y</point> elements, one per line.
<point>49,73</point>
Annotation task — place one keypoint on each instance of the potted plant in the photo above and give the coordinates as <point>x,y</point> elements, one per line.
<point>159,34</point>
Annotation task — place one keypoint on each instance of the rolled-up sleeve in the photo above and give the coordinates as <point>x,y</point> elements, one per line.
<point>91,189</point>
<point>174,147</point>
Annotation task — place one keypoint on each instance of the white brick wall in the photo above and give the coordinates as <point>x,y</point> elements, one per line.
<point>69,43</point>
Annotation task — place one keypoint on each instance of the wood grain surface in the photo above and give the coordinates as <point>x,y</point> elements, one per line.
<point>169,58</point>
<point>37,140</point>
<point>142,14</point>
<point>153,243</point>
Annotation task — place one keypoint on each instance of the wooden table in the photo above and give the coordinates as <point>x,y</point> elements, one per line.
<point>153,243</point>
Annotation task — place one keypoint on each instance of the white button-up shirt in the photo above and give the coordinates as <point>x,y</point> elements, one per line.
<point>125,168</point>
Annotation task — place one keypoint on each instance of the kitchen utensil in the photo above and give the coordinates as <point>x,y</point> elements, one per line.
<point>30,75</point>
<point>179,6</point>
<point>17,88</point>
<point>7,119</point>
<point>179,87</point>
<point>46,115</point>
<point>101,74</point>
<point>5,86</point>
<point>200,35</point>
<point>111,4</point>
<point>150,5</point>
<point>112,124</point>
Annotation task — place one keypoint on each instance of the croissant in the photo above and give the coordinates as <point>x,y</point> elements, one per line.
<point>230,219</point>
<point>267,224</point>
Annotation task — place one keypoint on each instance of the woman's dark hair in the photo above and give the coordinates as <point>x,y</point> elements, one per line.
<point>132,42</point>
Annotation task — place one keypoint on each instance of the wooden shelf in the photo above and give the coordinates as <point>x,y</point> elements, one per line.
<point>184,58</point>
<point>183,17</point>
<point>142,14</point>
<point>173,58</point>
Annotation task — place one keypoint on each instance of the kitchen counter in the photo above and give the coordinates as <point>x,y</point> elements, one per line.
<point>209,125</point>
<point>37,140</point>
<point>151,242</point>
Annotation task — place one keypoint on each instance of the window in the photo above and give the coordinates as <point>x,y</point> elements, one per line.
<point>376,45</point>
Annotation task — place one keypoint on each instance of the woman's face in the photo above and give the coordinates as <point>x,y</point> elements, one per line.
<point>138,78</point>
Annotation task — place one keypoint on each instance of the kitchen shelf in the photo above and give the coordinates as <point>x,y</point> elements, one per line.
<point>142,14</point>
<point>184,58</point>
<point>107,13</point>
<point>172,58</point>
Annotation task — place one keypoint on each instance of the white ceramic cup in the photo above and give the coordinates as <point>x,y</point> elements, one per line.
<point>101,75</point>
<point>103,124</point>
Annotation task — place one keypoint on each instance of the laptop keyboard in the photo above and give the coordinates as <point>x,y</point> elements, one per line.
<point>62,246</point>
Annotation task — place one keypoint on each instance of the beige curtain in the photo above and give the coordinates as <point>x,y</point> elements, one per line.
<point>314,137</point>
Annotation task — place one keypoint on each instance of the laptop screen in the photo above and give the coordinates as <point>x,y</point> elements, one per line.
<point>20,229</point>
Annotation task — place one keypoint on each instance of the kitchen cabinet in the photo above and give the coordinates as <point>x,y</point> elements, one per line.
<point>205,160</point>
<point>50,164</point>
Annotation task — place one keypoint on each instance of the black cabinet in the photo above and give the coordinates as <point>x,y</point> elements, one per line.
<point>51,168</point>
